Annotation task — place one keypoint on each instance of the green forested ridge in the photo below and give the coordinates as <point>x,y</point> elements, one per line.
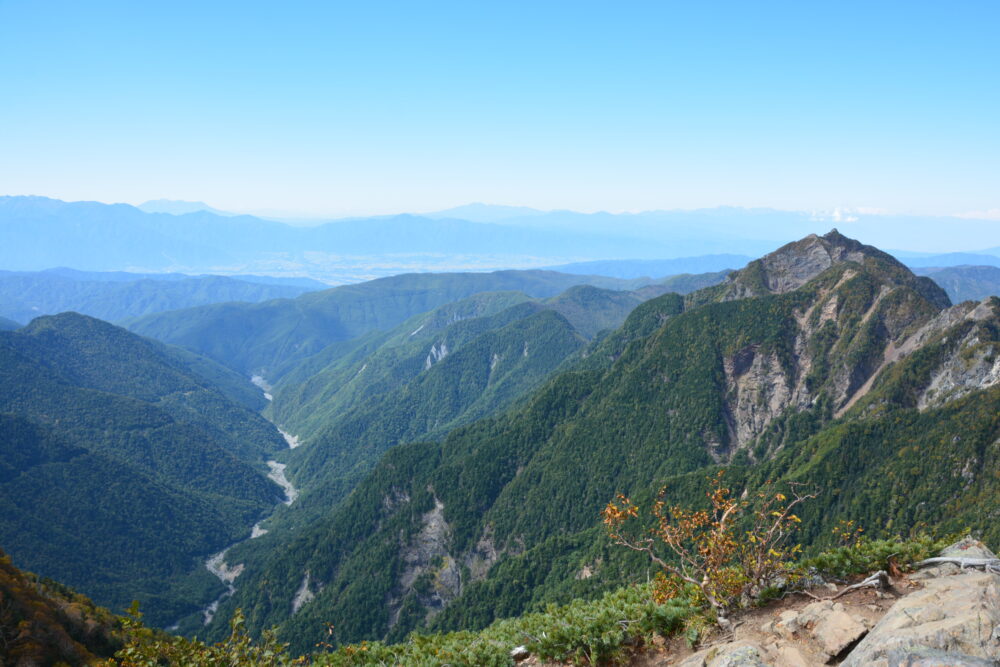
<point>754,374</point>
<point>490,371</point>
<point>685,283</point>
<point>27,295</point>
<point>331,382</point>
<point>231,384</point>
<point>272,337</point>
<point>964,283</point>
<point>437,371</point>
<point>122,467</point>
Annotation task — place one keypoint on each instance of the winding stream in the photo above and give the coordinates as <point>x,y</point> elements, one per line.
<point>292,440</point>
<point>216,564</point>
<point>226,573</point>
<point>261,383</point>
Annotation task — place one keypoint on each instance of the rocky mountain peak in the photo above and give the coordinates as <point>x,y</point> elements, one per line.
<point>795,264</point>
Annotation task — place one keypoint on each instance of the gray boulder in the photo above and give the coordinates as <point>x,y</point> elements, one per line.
<point>953,620</point>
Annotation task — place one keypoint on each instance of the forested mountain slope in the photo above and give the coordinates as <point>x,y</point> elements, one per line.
<point>964,283</point>
<point>460,362</point>
<point>122,466</point>
<point>332,382</point>
<point>827,362</point>
<point>269,338</point>
<point>26,295</point>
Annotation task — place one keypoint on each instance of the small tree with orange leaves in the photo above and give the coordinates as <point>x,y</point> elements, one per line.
<point>731,552</point>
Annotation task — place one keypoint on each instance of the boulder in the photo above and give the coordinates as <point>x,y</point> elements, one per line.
<point>837,630</point>
<point>520,653</point>
<point>789,656</point>
<point>967,547</point>
<point>825,621</point>
<point>953,620</point>
<point>735,654</point>
<point>931,658</point>
<point>788,624</point>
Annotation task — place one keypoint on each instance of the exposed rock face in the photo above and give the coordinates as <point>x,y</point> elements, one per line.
<point>953,620</point>
<point>838,349</point>
<point>437,353</point>
<point>833,350</point>
<point>427,556</point>
<point>829,625</point>
<point>974,364</point>
<point>759,392</point>
<point>303,596</point>
<point>482,557</point>
<point>833,629</point>
<point>793,265</point>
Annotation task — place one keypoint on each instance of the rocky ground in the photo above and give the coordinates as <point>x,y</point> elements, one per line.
<point>942,615</point>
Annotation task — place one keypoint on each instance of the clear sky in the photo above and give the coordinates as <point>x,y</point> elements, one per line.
<point>369,107</point>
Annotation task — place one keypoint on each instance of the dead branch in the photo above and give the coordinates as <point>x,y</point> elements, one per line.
<point>878,580</point>
<point>988,564</point>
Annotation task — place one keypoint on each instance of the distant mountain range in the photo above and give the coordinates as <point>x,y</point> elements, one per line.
<point>129,276</point>
<point>965,283</point>
<point>655,268</point>
<point>985,258</point>
<point>40,233</point>
<point>174,207</point>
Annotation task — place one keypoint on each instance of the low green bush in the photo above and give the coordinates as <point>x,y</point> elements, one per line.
<point>603,631</point>
<point>866,555</point>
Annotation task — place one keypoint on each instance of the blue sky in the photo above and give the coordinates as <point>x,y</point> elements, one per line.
<point>369,107</point>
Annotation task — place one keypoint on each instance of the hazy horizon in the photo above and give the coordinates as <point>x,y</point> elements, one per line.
<point>833,215</point>
<point>333,110</point>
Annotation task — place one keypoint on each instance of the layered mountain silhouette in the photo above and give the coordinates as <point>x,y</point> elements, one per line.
<point>459,433</point>
<point>827,362</point>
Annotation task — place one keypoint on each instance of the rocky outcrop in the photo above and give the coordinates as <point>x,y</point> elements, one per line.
<point>953,620</point>
<point>759,392</point>
<point>429,570</point>
<point>303,596</point>
<point>971,364</point>
<point>793,265</point>
<point>854,326</point>
<point>730,655</point>
<point>796,264</point>
<point>437,353</point>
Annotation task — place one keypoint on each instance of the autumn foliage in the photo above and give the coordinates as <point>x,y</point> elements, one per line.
<point>729,553</point>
